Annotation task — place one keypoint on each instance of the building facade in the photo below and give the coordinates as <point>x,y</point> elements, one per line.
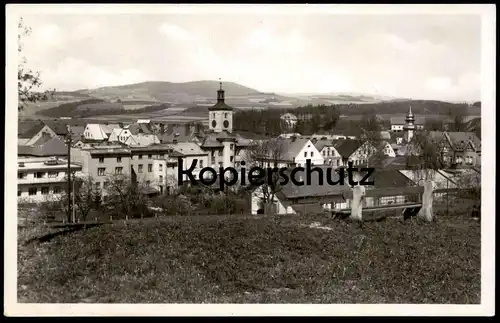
<point>39,178</point>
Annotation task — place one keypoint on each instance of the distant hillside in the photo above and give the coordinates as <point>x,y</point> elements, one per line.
<point>168,91</point>
<point>96,107</point>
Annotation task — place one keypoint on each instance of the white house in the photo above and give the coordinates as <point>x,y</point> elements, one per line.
<point>289,120</point>
<point>119,135</point>
<point>387,149</point>
<point>330,155</point>
<point>41,178</point>
<point>95,131</point>
<point>294,151</point>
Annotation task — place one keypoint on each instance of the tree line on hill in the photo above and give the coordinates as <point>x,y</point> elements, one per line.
<point>326,118</point>
<point>95,107</point>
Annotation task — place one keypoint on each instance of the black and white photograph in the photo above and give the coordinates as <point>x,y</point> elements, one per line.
<point>250,160</point>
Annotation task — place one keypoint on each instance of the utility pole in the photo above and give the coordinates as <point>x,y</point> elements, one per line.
<point>68,142</point>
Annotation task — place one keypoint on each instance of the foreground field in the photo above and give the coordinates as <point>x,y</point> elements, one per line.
<point>260,260</point>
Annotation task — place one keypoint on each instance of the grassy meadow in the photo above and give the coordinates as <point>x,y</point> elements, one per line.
<point>234,259</point>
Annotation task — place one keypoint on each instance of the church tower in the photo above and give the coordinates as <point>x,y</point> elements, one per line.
<point>220,115</point>
<point>410,126</point>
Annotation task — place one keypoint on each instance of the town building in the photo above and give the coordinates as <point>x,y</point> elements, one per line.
<point>354,151</point>
<point>34,134</point>
<point>390,187</point>
<point>289,120</point>
<point>41,178</point>
<point>330,155</point>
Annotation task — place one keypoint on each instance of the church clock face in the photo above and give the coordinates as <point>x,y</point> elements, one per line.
<point>226,123</point>
<point>214,123</point>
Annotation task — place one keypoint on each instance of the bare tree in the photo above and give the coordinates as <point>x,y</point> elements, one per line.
<point>370,139</point>
<point>85,193</point>
<point>127,196</point>
<point>267,155</point>
<point>425,155</point>
<point>27,80</point>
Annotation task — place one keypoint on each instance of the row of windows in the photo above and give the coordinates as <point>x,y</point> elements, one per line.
<point>119,159</point>
<point>39,175</point>
<point>326,152</point>
<point>102,171</point>
<point>44,191</point>
<point>305,153</point>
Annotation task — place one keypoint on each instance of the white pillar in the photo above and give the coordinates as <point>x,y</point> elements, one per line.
<point>357,203</point>
<point>426,211</point>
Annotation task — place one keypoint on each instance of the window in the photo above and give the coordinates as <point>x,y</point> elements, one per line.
<point>150,156</point>
<point>231,159</point>
<point>161,166</point>
<point>18,193</point>
<point>225,115</point>
<point>101,160</point>
<point>21,175</point>
<point>220,153</point>
<point>231,146</point>
<point>32,191</point>
<point>106,184</point>
<point>201,163</point>
<point>97,185</point>
<point>212,160</point>
<point>139,168</point>
<point>39,175</point>
<point>57,190</point>
<point>324,152</point>
<point>45,190</point>
<point>312,153</point>
<point>53,174</point>
<point>118,170</point>
<point>305,153</point>
<point>140,156</point>
<point>118,159</point>
<point>161,179</point>
<point>150,168</point>
<point>101,171</point>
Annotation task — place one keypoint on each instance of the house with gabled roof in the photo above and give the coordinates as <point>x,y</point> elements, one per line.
<point>95,131</point>
<point>330,155</point>
<point>354,151</point>
<point>34,133</point>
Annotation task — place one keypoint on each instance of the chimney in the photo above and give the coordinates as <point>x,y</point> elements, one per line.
<point>314,140</point>
<point>120,124</point>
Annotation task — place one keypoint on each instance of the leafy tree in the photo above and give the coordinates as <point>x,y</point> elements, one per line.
<point>27,80</point>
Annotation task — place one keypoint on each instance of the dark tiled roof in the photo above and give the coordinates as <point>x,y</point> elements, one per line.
<point>346,147</point>
<point>32,131</point>
<point>53,147</point>
<point>220,106</point>
<point>401,120</point>
<point>60,128</point>
<point>292,191</point>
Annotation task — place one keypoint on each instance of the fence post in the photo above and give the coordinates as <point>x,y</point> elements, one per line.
<point>357,204</point>
<point>426,211</point>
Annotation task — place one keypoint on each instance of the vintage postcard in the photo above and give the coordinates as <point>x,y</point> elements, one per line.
<point>250,160</point>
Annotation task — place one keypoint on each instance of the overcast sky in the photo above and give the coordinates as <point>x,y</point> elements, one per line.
<point>420,57</point>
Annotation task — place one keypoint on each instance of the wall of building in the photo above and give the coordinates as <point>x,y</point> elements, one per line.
<point>32,189</point>
<point>309,151</point>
